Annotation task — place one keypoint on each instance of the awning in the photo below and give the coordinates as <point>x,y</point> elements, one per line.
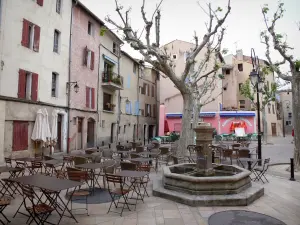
<point>109,59</point>
<point>237,114</point>
<point>201,114</point>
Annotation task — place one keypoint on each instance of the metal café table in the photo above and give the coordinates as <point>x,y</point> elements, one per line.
<point>92,168</point>
<point>250,161</point>
<point>53,184</point>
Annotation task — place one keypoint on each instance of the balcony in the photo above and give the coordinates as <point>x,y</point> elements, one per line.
<point>112,81</point>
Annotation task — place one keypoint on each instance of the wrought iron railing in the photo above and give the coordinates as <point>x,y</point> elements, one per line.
<point>108,77</point>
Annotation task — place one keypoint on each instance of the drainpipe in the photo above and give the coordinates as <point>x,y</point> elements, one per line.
<point>119,100</point>
<point>69,78</point>
<point>98,92</point>
<point>138,100</point>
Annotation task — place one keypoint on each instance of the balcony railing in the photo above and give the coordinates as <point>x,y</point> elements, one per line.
<point>112,80</point>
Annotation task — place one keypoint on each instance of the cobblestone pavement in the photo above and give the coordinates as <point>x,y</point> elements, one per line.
<point>281,200</point>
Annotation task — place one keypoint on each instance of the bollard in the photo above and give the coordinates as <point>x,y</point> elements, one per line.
<point>109,145</point>
<point>212,157</point>
<point>249,163</point>
<point>292,170</point>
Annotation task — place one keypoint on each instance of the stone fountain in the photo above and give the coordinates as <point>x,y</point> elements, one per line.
<point>205,183</point>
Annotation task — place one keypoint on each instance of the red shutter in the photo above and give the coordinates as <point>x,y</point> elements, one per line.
<point>34,87</point>
<point>22,84</point>
<point>93,98</point>
<point>40,2</point>
<point>20,136</point>
<point>87,104</point>
<point>25,33</point>
<point>92,60</point>
<point>85,52</point>
<point>37,33</point>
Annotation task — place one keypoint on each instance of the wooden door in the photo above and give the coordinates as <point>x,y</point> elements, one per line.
<point>274,132</point>
<point>90,133</point>
<point>79,133</point>
<point>58,144</point>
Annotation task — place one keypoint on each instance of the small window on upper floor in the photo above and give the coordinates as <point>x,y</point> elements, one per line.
<point>134,67</point>
<point>240,66</point>
<point>54,85</point>
<point>58,6</point>
<point>115,48</point>
<point>90,28</point>
<point>240,86</point>
<point>227,71</point>
<point>174,56</point>
<point>56,41</point>
<point>290,114</point>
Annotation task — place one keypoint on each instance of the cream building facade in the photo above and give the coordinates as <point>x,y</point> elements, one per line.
<point>170,95</point>
<point>236,73</point>
<point>33,72</point>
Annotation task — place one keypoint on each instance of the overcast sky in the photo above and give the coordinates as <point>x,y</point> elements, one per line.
<point>180,18</point>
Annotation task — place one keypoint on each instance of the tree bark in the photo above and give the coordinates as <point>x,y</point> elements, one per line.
<point>185,138</point>
<point>296,121</point>
<point>265,126</point>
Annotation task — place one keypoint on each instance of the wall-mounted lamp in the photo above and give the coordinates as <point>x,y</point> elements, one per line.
<point>75,84</point>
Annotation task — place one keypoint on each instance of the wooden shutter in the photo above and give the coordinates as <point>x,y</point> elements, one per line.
<point>36,43</point>
<point>92,60</point>
<point>93,98</point>
<point>34,87</point>
<point>85,54</point>
<point>154,111</point>
<point>20,136</point>
<point>25,33</point>
<point>87,104</point>
<point>150,110</point>
<point>144,89</point>
<point>22,84</point>
<point>40,2</point>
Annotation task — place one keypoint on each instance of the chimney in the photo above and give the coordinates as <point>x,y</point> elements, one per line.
<point>239,55</point>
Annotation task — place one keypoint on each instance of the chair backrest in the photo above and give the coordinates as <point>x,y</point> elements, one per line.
<point>227,153</point>
<point>235,145</point>
<point>36,164</point>
<point>243,153</point>
<point>79,160</point>
<point>113,181</point>
<point>107,153</point>
<point>145,168</point>
<point>8,162</point>
<point>266,164</point>
<point>109,166</point>
<point>139,149</point>
<point>46,157</point>
<point>76,174</point>
<point>164,150</point>
<point>96,157</point>
<point>128,166</point>
<point>28,192</point>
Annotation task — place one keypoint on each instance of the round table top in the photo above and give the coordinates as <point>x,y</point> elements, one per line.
<point>242,217</point>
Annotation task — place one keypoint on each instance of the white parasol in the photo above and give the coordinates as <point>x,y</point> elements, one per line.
<point>37,133</point>
<point>46,129</point>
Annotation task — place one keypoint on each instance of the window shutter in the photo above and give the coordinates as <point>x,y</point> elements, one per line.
<point>40,2</point>
<point>127,108</point>
<point>92,60</point>
<point>87,104</point>
<point>154,111</point>
<point>85,53</point>
<point>130,108</point>
<point>146,111</point>
<point>22,84</point>
<point>93,98</point>
<point>144,89</point>
<point>37,33</point>
<point>149,106</point>
<point>34,87</point>
<point>25,33</point>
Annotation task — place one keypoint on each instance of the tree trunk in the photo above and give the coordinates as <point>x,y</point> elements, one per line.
<point>265,126</point>
<point>196,111</point>
<point>296,121</point>
<point>185,134</point>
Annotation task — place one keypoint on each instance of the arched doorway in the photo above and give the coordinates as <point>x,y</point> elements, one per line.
<point>91,133</point>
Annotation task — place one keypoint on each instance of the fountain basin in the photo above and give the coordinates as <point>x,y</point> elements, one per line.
<point>227,179</point>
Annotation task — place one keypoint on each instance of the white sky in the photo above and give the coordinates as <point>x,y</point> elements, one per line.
<point>180,18</point>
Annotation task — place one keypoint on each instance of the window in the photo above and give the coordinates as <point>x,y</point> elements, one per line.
<point>54,85</point>
<point>269,110</point>
<point>242,102</point>
<point>90,29</point>
<point>28,85</point>
<point>56,41</point>
<point>128,107</point>
<point>154,111</point>
<point>124,129</point>
<point>20,136</point>
<point>153,91</point>
<point>288,123</point>
<point>290,114</point>
<point>240,86</point>
<point>115,48</point>
<point>240,66</point>
<point>147,110</point>
<point>273,109</point>
<point>90,97</point>
<point>30,35</point>
<point>40,2</point>
<point>58,6</point>
<point>146,89</point>
<point>88,58</point>
<point>174,56</point>
<point>107,102</point>
<point>227,71</point>
<point>134,67</point>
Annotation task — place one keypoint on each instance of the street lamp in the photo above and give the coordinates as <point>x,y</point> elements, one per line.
<point>257,83</point>
<point>75,84</point>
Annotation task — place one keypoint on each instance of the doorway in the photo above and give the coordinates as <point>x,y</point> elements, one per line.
<point>145,129</point>
<point>91,133</point>
<point>79,133</point>
<point>112,132</point>
<point>58,143</point>
<point>134,132</point>
<point>150,132</point>
<point>274,131</point>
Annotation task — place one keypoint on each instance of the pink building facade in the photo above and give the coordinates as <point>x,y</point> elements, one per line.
<point>222,121</point>
<point>85,41</point>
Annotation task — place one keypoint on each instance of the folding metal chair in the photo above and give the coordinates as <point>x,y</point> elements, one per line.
<point>117,191</point>
<point>145,180</point>
<point>260,171</point>
<point>4,202</point>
